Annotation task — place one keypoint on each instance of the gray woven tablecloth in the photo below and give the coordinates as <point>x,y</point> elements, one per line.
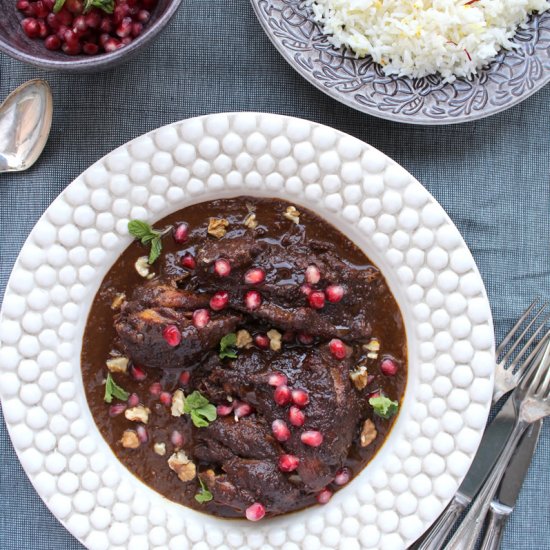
<point>491,176</point>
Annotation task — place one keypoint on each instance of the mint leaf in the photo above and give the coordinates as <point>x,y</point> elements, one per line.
<point>156,247</point>
<point>194,401</point>
<point>227,346</point>
<point>108,6</point>
<point>147,235</point>
<point>204,495</point>
<point>58,5</point>
<point>201,411</point>
<point>383,406</point>
<point>113,390</point>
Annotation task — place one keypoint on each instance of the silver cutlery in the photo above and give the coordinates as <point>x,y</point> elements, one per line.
<point>25,121</point>
<point>503,503</point>
<point>531,402</point>
<point>495,436</point>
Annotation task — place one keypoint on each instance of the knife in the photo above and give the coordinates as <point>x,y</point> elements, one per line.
<point>510,487</point>
<point>493,442</point>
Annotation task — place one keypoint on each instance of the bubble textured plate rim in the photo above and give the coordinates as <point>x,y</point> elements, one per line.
<point>361,84</point>
<point>368,197</point>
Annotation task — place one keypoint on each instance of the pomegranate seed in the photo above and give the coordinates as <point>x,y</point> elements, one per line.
<point>143,16</point>
<point>188,261</point>
<point>93,20</point>
<point>52,42</point>
<point>172,335</point>
<point>277,379</point>
<point>241,409</point>
<point>288,463</point>
<point>262,341</point>
<point>316,299</point>
<point>65,17</point>
<point>155,388</point>
<point>40,9</point>
<point>133,400</point>
<point>288,336</point>
<point>118,408</point>
<point>166,398</point>
<point>296,417</point>
<point>222,267</point>
<point>282,395</point>
<point>280,430</point>
<point>313,275</point>
<point>201,317</point>
<point>30,27</point>
<point>254,276</point>
<point>137,29</point>
<point>337,348</point>
<point>334,293</point>
<point>300,398</point>
<point>342,476</point>
<point>42,29</point>
<point>306,289</point>
<point>252,300</point>
<point>49,4</point>
<point>22,5</point>
<point>90,48</point>
<point>120,12</point>
<point>142,434</point>
<point>106,25</point>
<point>184,377</point>
<point>224,410</point>
<point>324,496</point>
<point>71,49</point>
<point>255,512</point>
<point>126,40</point>
<point>389,367</point>
<point>70,38</point>
<point>374,394</point>
<point>305,339</point>
<point>176,439</point>
<point>137,373</point>
<point>313,438</point>
<point>53,22</point>
<point>125,27</point>
<point>61,32</point>
<point>79,24</point>
<point>219,300</point>
<point>74,6</point>
<point>111,45</point>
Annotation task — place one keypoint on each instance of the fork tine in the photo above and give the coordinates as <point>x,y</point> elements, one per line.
<point>542,390</point>
<point>532,378</point>
<point>513,330</point>
<point>526,346</point>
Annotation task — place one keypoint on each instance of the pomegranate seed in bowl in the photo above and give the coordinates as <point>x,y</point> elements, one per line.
<point>296,416</point>
<point>342,476</point>
<point>255,512</point>
<point>288,463</point>
<point>219,301</point>
<point>282,395</point>
<point>300,398</point>
<point>171,335</point>
<point>324,496</point>
<point>253,300</point>
<point>337,348</point>
<point>277,379</point>
<point>254,276</point>
<point>334,293</point>
<point>389,367</point>
<point>188,261</point>
<point>280,430</point>
<point>222,267</point>
<point>313,275</point>
<point>312,438</point>
<point>316,299</point>
<point>201,317</point>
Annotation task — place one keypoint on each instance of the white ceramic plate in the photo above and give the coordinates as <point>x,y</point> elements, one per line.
<point>367,196</point>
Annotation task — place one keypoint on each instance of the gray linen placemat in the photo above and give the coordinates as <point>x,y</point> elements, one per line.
<point>491,176</point>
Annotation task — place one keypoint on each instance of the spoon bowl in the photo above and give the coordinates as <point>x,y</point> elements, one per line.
<point>25,121</point>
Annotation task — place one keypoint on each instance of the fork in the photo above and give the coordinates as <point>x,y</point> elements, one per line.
<point>505,380</point>
<point>531,399</point>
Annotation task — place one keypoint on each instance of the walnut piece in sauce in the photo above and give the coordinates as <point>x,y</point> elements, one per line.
<point>117,364</point>
<point>130,439</point>
<point>292,214</point>
<point>118,300</point>
<point>359,376</point>
<point>373,347</point>
<point>244,340</point>
<point>138,414</point>
<point>160,448</point>
<point>275,338</point>
<point>368,433</point>
<point>217,227</point>
<point>250,221</point>
<point>142,266</point>
<point>180,463</point>
<point>178,399</point>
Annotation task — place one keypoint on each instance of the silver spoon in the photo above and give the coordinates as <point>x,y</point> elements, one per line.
<point>25,121</point>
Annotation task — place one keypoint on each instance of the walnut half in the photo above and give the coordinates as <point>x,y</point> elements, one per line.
<point>275,338</point>
<point>138,414</point>
<point>217,227</point>
<point>180,463</point>
<point>368,433</point>
<point>359,376</point>
<point>244,340</point>
<point>129,439</point>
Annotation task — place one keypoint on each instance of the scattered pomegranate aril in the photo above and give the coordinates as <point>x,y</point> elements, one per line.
<point>125,27</point>
<point>324,496</point>
<point>337,348</point>
<point>155,388</point>
<point>313,275</point>
<point>316,299</point>
<point>52,42</point>
<point>137,29</point>
<point>389,367</point>
<point>219,300</point>
<point>89,48</point>
<point>224,410</point>
<point>137,373</point>
<point>313,438</point>
<point>296,416</point>
<point>201,317</point>
<point>300,398</point>
<point>222,267</point>
<point>142,434</point>
<point>282,395</point>
<point>288,463</point>
<point>172,335</point>
<point>334,293</point>
<point>116,409</point>
<point>80,25</point>
<point>306,289</point>
<point>30,27</point>
<point>93,20</point>
<point>262,341</point>
<point>177,439</point>
<point>74,6</point>
<point>22,5</point>
<point>40,9</point>
<point>280,430</point>
<point>305,338</point>
<point>374,394</point>
<point>241,409</point>
<point>342,476</point>
<point>254,276</point>
<point>143,16</point>
<point>277,379</point>
<point>133,400</point>
<point>252,300</point>
<point>188,261</point>
<point>166,398</point>
<point>184,377</point>
<point>255,512</point>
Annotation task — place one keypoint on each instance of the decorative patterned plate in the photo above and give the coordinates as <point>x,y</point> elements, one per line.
<point>366,195</point>
<point>361,83</point>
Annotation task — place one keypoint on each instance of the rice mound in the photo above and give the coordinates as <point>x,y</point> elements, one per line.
<point>417,38</point>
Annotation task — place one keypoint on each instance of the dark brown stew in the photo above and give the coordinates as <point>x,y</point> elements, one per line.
<point>281,330</point>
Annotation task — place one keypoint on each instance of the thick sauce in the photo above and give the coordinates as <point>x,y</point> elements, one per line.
<point>101,338</point>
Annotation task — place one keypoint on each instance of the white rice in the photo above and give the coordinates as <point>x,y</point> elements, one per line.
<point>416,38</point>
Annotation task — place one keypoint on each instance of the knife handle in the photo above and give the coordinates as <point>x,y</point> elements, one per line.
<point>495,527</point>
<point>441,529</point>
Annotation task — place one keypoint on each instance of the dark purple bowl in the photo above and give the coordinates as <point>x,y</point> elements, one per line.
<point>15,43</point>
